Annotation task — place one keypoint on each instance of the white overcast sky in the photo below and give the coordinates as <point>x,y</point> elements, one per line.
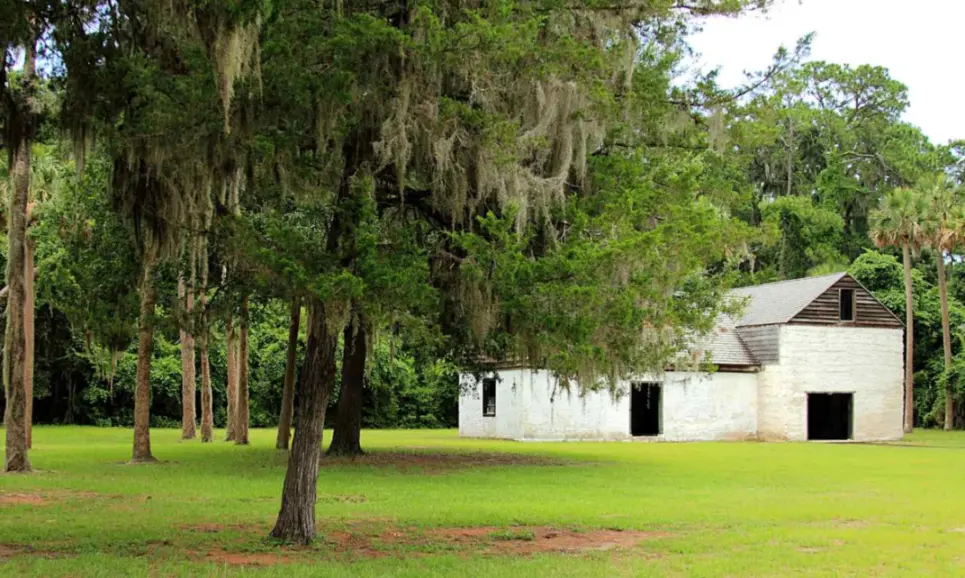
<point>918,41</point>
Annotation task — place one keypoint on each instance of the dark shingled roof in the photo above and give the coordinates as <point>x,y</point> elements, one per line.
<point>724,347</point>
<point>774,303</point>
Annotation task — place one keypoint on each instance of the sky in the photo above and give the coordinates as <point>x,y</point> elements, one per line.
<point>915,40</point>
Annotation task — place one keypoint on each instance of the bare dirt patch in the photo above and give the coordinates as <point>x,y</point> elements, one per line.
<point>372,539</point>
<point>346,499</point>
<point>205,528</point>
<point>49,497</point>
<point>31,499</point>
<point>9,551</point>
<point>436,462</point>
<point>817,549</point>
<point>248,558</point>
<point>516,540</point>
<point>529,540</point>
<point>219,528</point>
<point>852,524</point>
<point>841,523</point>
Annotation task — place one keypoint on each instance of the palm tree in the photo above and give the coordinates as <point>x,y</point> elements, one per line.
<point>898,223</point>
<point>943,229</point>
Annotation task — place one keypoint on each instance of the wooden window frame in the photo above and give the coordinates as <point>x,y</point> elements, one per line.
<point>854,305</point>
<point>488,382</point>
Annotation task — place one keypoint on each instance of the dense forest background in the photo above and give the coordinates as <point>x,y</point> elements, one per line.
<point>795,165</point>
<point>85,263</point>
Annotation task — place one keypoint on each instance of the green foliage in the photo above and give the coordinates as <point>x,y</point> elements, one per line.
<point>589,305</point>
<point>881,272</point>
<point>808,236</point>
<point>404,390</point>
<point>471,181</point>
<point>900,221</point>
<point>86,260</point>
<point>883,275</point>
<point>830,134</point>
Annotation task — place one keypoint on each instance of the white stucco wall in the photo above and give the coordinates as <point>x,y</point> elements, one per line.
<point>715,406</point>
<point>867,362</point>
<point>695,406</point>
<point>506,423</point>
<point>772,403</point>
<point>553,414</point>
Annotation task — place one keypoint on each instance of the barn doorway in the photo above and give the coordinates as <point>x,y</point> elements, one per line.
<point>830,416</point>
<point>645,409</point>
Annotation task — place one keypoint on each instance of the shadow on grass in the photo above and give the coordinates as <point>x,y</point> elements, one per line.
<point>442,461</point>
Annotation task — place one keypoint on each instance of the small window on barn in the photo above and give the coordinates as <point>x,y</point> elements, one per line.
<point>847,304</point>
<point>489,397</point>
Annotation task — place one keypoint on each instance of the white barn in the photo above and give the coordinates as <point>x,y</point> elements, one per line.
<point>811,359</point>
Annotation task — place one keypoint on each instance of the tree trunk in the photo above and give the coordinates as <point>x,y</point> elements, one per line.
<point>288,394</point>
<point>232,386</point>
<point>296,520</point>
<point>20,132</point>
<point>947,342</point>
<point>207,401</point>
<point>188,379</point>
<point>29,312</point>
<point>69,415</point>
<point>909,345</point>
<point>790,159</point>
<point>242,417</point>
<point>145,350</point>
<point>15,341</point>
<point>348,424</point>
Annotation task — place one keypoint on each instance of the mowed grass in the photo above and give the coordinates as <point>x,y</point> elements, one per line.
<point>713,509</point>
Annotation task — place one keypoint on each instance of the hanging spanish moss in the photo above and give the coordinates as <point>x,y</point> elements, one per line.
<point>236,56</point>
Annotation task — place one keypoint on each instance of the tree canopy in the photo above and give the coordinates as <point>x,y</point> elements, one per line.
<point>438,185</point>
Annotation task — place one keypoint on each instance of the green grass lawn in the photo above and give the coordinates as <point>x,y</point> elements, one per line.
<point>425,503</point>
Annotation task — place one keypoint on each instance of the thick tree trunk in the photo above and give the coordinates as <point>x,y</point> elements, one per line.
<point>207,400</point>
<point>348,422</point>
<point>231,390</point>
<point>15,341</point>
<point>296,520</point>
<point>242,417</point>
<point>909,345</point>
<point>20,132</point>
<point>947,342</point>
<point>29,312</point>
<point>188,378</point>
<point>145,351</point>
<point>288,393</point>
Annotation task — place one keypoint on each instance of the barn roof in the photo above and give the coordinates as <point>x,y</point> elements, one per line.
<point>774,303</point>
<point>768,304</point>
<point>725,347</point>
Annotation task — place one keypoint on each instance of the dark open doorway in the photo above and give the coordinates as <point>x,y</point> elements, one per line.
<point>830,416</point>
<point>645,409</point>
